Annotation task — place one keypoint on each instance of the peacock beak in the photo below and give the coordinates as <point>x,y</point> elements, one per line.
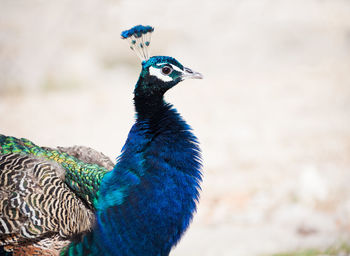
<point>189,73</point>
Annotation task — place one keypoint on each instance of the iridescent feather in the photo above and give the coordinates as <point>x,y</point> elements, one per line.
<point>139,38</point>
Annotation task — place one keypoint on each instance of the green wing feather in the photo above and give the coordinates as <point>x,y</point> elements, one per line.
<point>83,178</point>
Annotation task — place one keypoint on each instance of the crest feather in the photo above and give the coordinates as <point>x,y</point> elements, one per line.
<point>139,38</point>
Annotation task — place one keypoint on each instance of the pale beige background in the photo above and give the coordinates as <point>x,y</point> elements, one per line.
<point>272,115</point>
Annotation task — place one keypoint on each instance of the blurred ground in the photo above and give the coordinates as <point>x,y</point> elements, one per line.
<point>272,115</point>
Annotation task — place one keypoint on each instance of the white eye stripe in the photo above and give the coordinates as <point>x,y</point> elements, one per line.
<point>157,73</point>
<point>176,68</point>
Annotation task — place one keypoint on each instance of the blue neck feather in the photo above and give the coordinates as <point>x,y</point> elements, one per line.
<point>147,202</point>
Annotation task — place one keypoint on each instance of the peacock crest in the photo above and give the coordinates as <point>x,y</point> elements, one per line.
<point>139,38</point>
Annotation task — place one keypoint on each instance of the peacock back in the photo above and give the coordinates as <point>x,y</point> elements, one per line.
<point>46,194</point>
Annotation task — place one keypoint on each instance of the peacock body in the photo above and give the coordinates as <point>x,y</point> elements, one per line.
<point>74,201</point>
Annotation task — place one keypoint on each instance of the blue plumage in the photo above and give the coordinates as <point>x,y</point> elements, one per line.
<point>147,201</point>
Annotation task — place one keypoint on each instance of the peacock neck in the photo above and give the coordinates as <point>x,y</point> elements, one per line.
<point>148,97</point>
<point>146,108</point>
<point>146,203</point>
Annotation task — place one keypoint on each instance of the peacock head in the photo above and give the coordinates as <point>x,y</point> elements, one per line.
<point>159,73</point>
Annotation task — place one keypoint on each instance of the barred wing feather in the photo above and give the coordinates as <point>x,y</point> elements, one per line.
<point>36,203</point>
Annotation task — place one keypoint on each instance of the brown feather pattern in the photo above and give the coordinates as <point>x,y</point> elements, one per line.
<point>35,203</point>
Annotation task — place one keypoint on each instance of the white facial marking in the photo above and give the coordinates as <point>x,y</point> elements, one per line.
<point>176,68</point>
<point>158,73</point>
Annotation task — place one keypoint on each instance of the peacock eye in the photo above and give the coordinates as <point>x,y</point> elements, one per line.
<point>166,70</point>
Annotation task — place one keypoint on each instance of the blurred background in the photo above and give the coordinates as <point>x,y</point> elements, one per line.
<point>272,114</point>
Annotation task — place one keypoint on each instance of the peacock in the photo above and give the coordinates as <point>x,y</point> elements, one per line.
<point>75,201</point>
